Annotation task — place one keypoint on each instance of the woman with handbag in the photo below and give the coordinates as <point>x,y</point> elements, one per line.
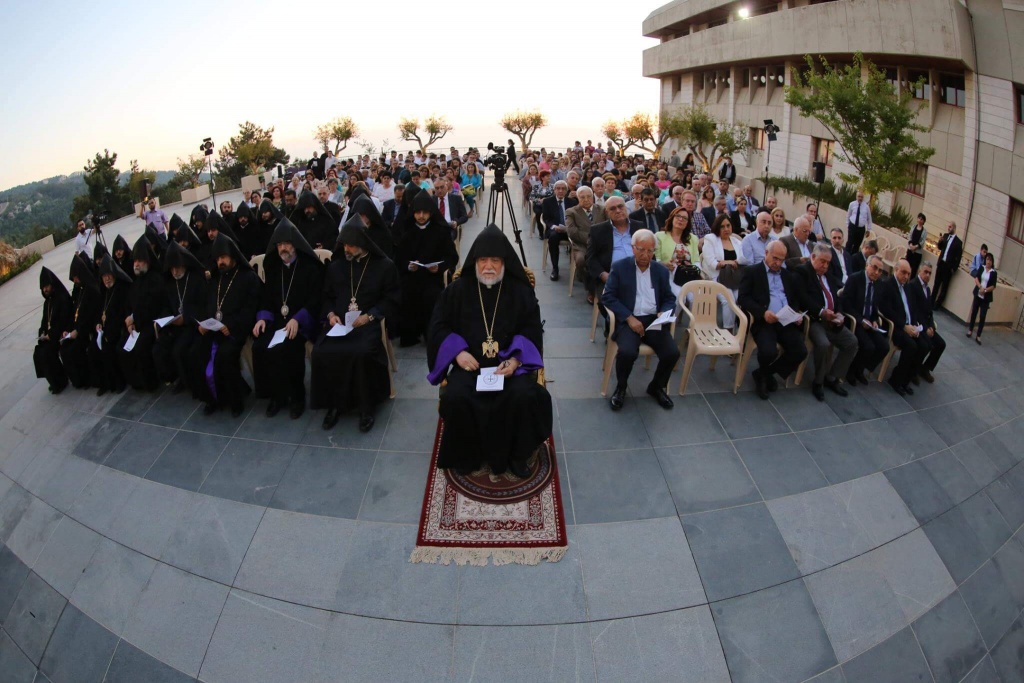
<point>472,181</point>
<point>984,284</point>
<point>915,245</point>
<point>721,261</point>
<point>677,247</point>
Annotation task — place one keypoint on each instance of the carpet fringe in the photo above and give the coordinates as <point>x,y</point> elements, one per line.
<point>478,557</point>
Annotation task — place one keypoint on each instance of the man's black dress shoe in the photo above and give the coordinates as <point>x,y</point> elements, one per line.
<point>209,409</point>
<point>297,409</point>
<point>366,422</point>
<point>898,389</point>
<point>660,396</point>
<point>554,276</point>
<point>236,411</point>
<point>330,419</point>
<point>836,387</point>
<point>760,385</point>
<point>519,468</point>
<point>771,382</point>
<point>906,388</point>
<point>273,408</point>
<point>819,391</point>
<point>618,398</point>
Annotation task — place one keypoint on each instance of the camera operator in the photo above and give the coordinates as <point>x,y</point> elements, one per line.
<point>155,217</point>
<point>512,161</point>
<point>83,243</point>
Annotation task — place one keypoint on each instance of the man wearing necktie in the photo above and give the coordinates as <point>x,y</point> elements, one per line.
<point>828,324</point>
<point>858,299</point>
<point>894,304</point>
<point>647,212</point>
<point>858,222</point>
<point>921,307</point>
<point>552,212</point>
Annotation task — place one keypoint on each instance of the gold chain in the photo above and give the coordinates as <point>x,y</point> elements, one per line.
<point>220,300</point>
<point>490,347</point>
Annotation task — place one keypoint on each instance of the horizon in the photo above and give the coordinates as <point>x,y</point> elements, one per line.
<point>493,64</point>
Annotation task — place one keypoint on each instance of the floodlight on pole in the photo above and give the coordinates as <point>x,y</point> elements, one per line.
<point>206,147</point>
<point>771,131</point>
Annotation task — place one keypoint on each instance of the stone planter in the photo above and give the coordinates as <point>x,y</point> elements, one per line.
<point>195,195</point>
<point>250,183</point>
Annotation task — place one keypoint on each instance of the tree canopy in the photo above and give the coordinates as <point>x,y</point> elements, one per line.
<point>253,148</point>
<point>523,124</point>
<point>874,124</point>
<point>104,192</point>
<point>434,128</point>
<point>710,139</point>
<point>338,131</point>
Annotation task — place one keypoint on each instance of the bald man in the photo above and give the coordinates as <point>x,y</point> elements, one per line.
<point>894,303</point>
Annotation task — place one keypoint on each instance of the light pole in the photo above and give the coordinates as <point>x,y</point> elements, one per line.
<point>771,131</point>
<point>207,148</point>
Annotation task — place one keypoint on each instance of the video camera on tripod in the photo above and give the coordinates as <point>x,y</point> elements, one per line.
<point>498,160</point>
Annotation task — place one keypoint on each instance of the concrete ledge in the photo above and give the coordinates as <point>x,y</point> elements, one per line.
<point>195,195</point>
<point>39,246</point>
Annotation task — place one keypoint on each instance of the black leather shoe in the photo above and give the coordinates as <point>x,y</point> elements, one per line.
<point>863,378</point>
<point>236,411</point>
<point>330,419</point>
<point>898,389</point>
<point>297,409</point>
<point>366,422</point>
<point>927,377</point>
<point>771,382</point>
<point>760,385</point>
<point>519,468</point>
<point>101,391</point>
<point>554,278</point>
<point>906,388</point>
<point>852,379</point>
<point>819,391</point>
<point>660,396</point>
<point>836,387</point>
<point>273,408</point>
<point>618,398</point>
<point>178,386</point>
<point>209,409</point>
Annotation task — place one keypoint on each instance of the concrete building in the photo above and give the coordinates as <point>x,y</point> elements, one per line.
<point>737,58</point>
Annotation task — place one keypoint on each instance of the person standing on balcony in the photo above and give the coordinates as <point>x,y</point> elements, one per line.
<point>951,248</point>
<point>858,222</point>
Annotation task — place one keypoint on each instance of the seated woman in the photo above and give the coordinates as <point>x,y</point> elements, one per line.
<point>779,227</point>
<point>676,244</point>
<point>721,261</point>
<point>472,182</point>
<point>740,219</point>
<point>707,199</point>
<point>540,191</point>
<point>662,183</point>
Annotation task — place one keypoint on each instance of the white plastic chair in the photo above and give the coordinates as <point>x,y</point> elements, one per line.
<point>706,338</point>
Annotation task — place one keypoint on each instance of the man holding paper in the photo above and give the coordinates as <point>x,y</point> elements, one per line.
<point>349,362</point>
<point>147,301</point>
<point>233,296</point>
<point>286,319</point>
<point>185,293</point>
<point>106,372</point>
<point>638,293</point>
<point>768,291</point>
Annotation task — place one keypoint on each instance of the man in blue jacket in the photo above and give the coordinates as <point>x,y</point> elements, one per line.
<point>638,291</point>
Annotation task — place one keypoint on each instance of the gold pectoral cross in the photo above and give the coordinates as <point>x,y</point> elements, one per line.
<point>490,348</point>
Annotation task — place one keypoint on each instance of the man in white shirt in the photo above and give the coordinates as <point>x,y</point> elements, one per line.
<point>858,222</point>
<point>384,190</point>
<point>756,241</point>
<point>812,217</point>
<point>83,240</point>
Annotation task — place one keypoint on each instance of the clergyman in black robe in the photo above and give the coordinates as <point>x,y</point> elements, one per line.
<point>104,368</point>
<point>293,281</point>
<point>184,235</point>
<point>426,239</point>
<point>251,238</point>
<point>233,296</point>
<point>147,301</point>
<point>197,220</point>
<point>215,225</point>
<point>185,293</point>
<point>376,228</point>
<point>313,221</point>
<point>268,217</point>
<point>351,372</point>
<point>85,312</point>
<point>57,313</point>
<point>489,318</point>
<point>122,254</point>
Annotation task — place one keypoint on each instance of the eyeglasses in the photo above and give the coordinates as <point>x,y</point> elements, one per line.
<point>641,250</point>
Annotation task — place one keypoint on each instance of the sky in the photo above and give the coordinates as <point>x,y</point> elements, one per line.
<point>151,80</point>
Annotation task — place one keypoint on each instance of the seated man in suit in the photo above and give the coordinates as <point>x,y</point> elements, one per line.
<point>797,243</point>
<point>828,324</point>
<point>638,291</point>
<point>392,207</point>
<point>610,241</point>
<point>450,205</point>
<point>765,289</point>
<point>578,221</point>
<point>552,213</point>
<point>647,211</point>
<point>674,201</point>
<point>921,309</point>
<point>894,304</point>
<point>711,213</point>
<point>859,261</point>
<point>858,300</point>
<point>839,268</point>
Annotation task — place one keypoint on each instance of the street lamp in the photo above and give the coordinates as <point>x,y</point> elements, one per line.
<point>744,12</point>
<point>206,147</point>
<point>771,131</point>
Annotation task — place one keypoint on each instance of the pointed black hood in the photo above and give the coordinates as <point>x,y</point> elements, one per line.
<point>287,232</point>
<point>365,206</point>
<point>267,205</point>
<point>215,220</point>
<point>108,267</point>
<point>492,242</point>
<point>156,242</point>
<point>99,251</point>
<point>225,246</point>
<point>48,277</point>
<point>355,234</point>
<point>80,269</point>
<point>357,192</point>
<point>178,256</point>
<point>307,199</point>
<point>121,243</point>
<point>424,202</point>
<point>143,251</point>
<point>243,211</point>
<point>182,233</point>
<point>199,215</point>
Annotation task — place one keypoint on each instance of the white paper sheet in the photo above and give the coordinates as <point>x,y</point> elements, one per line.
<point>99,341</point>
<point>665,317</point>
<point>488,380</point>
<point>211,324</point>
<point>130,342</point>
<point>339,330</point>
<point>427,265</point>
<point>787,316</point>
<point>164,322</point>
<point>350,317</point>
<point>278,337</point>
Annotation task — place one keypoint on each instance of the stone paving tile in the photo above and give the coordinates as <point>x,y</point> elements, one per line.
<point>248,471</point>
<point>98,505</point>
<point>324,481</point>
<point>133,404</point>
<point>411,426</point>
<point>187,460</point>
<point>991,603</point>
<point>111,584</point>
<point>13,573</point>
<point>171,410</point>
<point>780,465</point>
<point>847,452</point>
<point>1007,493</point>
<point>33,616</point>
<point>62,480</point>
<point>66,555</point>
<point>375,649</point>
<point>12,506</point>
<point>898,660</point>
<point>132,665</point>
<point>33,531</point>
<point>708,477</point>
<point>346,434</point>
<point>211,538</point>
<point>745,415</point>
<point>984,672</point>
<point>101,439</point>
<point>175,617</point>
<point>280,428</point>
<point>79,650</point>
<point>690,422</point>
<point>916,485</point>
<point>976,461</point>
<point>615,486</point>
<point>915,573</point>
<point>259,639</point>
<point>395,490</point>
<point>16,666</point>
<point>139,449</point>
<point>588,422</point>
<point>802,411</point>
<point>1006,653</point>
<point>150,515</point>
<point>950,640</point>
<point>738,550</point>
<point>773,634</point>
<point>635,568</point>
<point>678,645</point>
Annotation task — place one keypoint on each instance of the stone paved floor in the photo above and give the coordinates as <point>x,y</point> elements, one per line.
<point>866,539</point>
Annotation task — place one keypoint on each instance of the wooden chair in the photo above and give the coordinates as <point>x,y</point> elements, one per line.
<point>612,349</point>
<point>706,338</point>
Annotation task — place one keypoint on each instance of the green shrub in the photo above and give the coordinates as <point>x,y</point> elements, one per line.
<point>8,269</point>
<point>839,195</point>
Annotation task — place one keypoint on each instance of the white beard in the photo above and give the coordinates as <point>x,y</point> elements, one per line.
<point>493,280</point>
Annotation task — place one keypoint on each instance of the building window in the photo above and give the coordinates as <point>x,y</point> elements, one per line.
<point>917,83</point>
<point>892,75</point>
<point>677,84</point>
<point>1015,226</point>
<point>758,139</point>
<point>952,90</point>
<point>1020,104</point>
<point>920,178</point>
<point>718,22</point>
<point>823,150</point>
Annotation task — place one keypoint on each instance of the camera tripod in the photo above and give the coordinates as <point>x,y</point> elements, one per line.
<point>499,189</point>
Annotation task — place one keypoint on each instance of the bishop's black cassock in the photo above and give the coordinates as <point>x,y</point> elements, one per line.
<point>290,292</point>
<point>376,228</point>
<point>85,307</point>
<point>252,237</point>
<point>186,300</point>
<point>351,371</point>
<point>316,225</point>
<point>146,303</point>
<point>501,428</point>
<point>233,296</point>
<point>57,314</point>
<point>105,370</point>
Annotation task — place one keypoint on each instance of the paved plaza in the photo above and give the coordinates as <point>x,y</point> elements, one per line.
<point>873,538</point>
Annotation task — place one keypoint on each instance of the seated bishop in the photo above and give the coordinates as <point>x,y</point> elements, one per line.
<point>489,320</point>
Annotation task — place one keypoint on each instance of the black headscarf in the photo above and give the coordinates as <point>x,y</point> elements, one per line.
<point>47,277</point>
<point>178,256</point>
<point>109,267</point>
<point>80,269</point>
<point>355,234</point>
<point>287,232</point>
<point>225,246</point>
<point>492,242</point>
